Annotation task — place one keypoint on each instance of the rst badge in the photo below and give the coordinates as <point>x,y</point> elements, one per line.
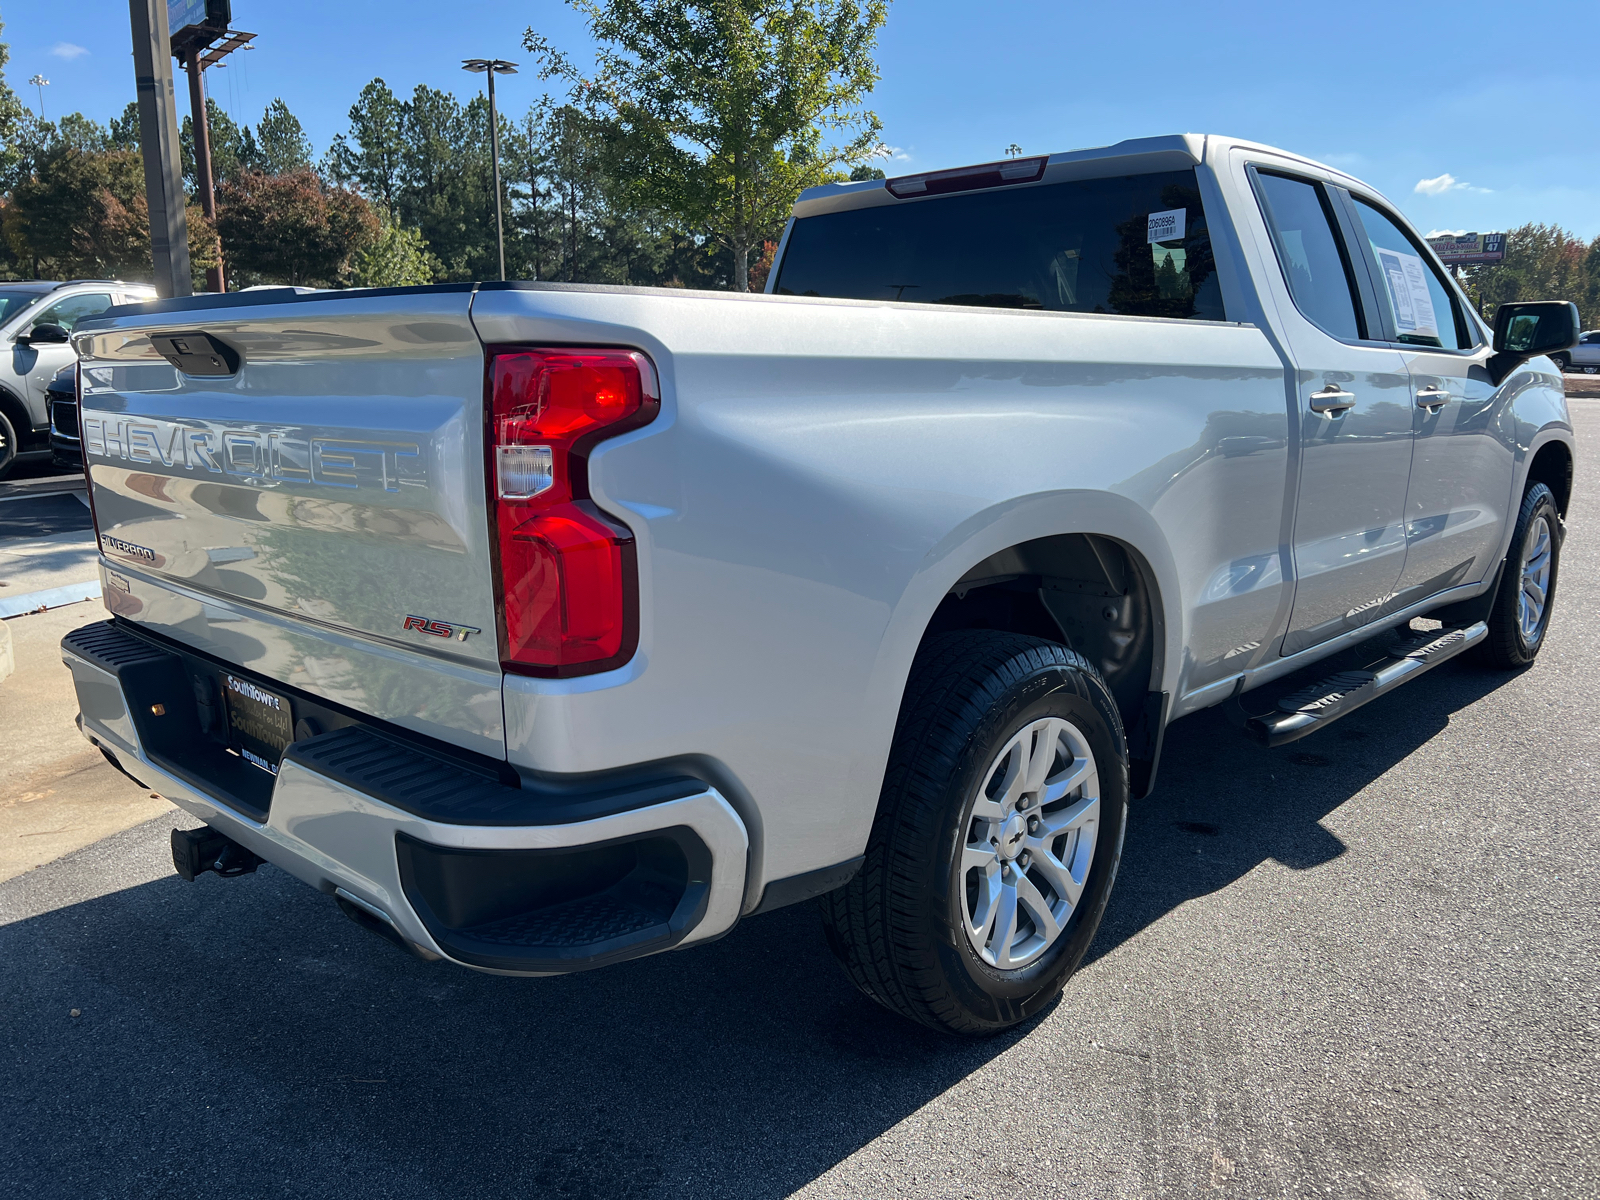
<point>439,629</point>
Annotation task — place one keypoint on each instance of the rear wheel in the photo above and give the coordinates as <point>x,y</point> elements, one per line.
<point>1527,592</point>
<point>997,838</point>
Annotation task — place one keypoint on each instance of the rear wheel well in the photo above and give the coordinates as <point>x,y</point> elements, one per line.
<point>1552,466</point>
<point>1091,593</point>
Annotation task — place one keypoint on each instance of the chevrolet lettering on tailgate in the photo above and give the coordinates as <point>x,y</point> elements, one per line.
<point>288,455</point>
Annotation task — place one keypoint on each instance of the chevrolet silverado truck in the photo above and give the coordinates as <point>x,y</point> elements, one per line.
<point>546,626</point>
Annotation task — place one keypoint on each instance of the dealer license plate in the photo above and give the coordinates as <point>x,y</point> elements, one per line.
<point>260,725</point>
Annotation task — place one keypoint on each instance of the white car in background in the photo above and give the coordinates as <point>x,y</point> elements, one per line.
<point>1585,356</point>
<point>36,319</point>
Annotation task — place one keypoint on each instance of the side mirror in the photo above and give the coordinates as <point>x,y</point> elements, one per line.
<point>46,335</point>
<point>1529,328</point>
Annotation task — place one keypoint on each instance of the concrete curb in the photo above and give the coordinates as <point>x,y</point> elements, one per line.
<point>72,593</point>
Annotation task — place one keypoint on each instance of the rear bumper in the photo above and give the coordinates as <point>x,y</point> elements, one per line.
<point>462,865</point>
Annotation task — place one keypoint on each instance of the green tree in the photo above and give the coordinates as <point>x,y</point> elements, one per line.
<point>370,156</point>
<point>292,228</point>
<point>230,153</point>
<point>282,146</point>
<point>81,133</point>
<point>725,105</point>
<point>1589,301</point>
<point>1543,262</point>
<point>83,214</point>
<point>398,257</point>
<point>124,130</point>
<point>13,120</point>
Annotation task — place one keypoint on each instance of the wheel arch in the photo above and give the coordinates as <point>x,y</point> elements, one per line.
<point>1051,566</point>
<point>1552,465</point>
<point>16,411</point>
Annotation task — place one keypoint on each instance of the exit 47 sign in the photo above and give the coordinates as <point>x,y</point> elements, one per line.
<point>1469,248</point>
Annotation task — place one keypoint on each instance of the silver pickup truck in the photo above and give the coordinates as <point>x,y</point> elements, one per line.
<point>545,626</point>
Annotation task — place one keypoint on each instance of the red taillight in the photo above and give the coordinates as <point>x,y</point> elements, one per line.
<point>568,595</point>
<point>968,179</point>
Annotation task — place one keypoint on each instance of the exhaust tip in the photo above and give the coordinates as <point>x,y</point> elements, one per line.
<point>374,920</point>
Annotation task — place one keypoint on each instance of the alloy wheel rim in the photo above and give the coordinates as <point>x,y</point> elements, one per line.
<point>1534,595</point>
<point>1029,843</point>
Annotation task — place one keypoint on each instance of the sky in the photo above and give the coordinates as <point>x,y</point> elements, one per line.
<point>1467,115</point>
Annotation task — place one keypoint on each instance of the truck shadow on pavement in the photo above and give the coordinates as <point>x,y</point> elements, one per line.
<point>1223,805</point>
<point>243,1036</point>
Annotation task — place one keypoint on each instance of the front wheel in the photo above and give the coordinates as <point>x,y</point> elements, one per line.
<point>1563,362</point>
<point>997,837</point>
<point>1527,593</point>
<point>9,445</point>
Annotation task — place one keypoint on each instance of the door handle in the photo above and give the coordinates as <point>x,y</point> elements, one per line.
<point>1332,400</point>
<point>1432,398</point>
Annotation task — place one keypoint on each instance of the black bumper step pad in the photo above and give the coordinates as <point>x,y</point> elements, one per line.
<point>454,793</point>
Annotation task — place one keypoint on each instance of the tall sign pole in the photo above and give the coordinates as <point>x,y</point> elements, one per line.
<point>202,156</point>
<point>158,138</point>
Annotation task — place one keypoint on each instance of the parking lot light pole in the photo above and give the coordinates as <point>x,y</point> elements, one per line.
<point>492,67</point>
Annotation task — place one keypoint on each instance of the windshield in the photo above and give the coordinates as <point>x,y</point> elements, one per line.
<point>11,303</point>
<point>1135,245</point>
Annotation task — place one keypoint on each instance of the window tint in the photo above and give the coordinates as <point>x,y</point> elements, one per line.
<point>1420,306</point>
<point>1085,246</point>
<point>67,313</point>
<point>1312,263</point>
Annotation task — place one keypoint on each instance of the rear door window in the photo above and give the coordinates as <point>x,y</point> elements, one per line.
<point>1421,310</point>
<point>1314,265</point>
<point>1135,245</point>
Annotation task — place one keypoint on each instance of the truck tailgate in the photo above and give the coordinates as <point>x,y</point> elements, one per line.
<point>318,516</point>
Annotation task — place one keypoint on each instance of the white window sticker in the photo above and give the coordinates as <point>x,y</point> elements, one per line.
<point>1166,226</point>
<point>1408,290</point>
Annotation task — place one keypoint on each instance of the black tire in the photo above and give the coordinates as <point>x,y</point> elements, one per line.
<point>1507,647</point>
<point>9,445</point>
<point>1563,361</point>
<point>899,926</point>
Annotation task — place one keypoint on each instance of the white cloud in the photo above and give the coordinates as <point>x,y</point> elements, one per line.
<point>1440,184</point>
<point>1446,233</point>
<point>67,50</point>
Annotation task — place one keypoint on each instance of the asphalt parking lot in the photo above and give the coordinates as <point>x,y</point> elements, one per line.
<point>1364,965</point>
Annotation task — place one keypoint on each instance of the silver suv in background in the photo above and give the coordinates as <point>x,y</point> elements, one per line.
<point>1585,356</point>
<point>36,322</point>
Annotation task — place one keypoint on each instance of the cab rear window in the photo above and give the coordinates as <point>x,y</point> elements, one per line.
<point>1135,245</point>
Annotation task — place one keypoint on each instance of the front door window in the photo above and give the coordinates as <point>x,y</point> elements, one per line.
<point>69,311</point>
